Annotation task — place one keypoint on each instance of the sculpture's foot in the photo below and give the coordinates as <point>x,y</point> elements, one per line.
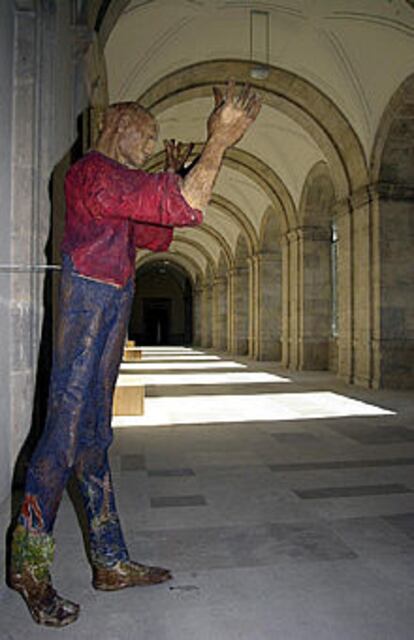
<point>44,604</point>
<point>128,574</point>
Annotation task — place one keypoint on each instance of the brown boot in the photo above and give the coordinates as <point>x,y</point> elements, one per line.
<point>127,574</point>
<point>31,558</point>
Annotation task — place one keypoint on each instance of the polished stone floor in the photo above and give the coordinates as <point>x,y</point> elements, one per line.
<point>283,503</point>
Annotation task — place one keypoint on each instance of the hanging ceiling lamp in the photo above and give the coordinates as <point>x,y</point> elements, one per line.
<point>259,44</point>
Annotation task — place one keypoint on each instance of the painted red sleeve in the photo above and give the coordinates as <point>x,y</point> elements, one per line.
<point>111,190</point>
<point>152,237</point>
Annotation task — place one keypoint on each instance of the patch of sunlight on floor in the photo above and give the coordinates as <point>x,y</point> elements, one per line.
<point>179,366</point>
<point>161,349</point>
<point>243,408</point>
<point>179,357</point>
<point>242,377</point>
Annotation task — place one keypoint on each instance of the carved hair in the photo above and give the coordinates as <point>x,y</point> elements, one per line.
<point>115,111</point>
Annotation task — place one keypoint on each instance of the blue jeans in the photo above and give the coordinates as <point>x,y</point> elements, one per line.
<point>92,326</point>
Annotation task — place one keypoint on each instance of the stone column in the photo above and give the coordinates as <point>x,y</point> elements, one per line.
<point>315,306</point>
<point>355,279</point>
<point>265,308</point>
<point>393,284</point>
<point>285,301</point>
<point>362,287</point>
<point>220,308</point>
<point>345,280</point>
<point>293,297</point>
<point>239,310</point>
<point>206,317</point>
<point>197,314</point>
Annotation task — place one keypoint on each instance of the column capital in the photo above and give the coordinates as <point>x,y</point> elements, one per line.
<point>312,232</point>
<point>369,192</point>
<point>390,191</point>
<point>264,256</point>
<point>238,270</point>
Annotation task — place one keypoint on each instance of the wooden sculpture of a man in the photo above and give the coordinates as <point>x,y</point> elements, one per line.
<point>112,207</point>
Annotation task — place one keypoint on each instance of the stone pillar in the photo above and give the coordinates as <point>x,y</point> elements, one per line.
<point>220,309</point>
<point>362,287</point>
<point>315,305</point>
<point>355,288</point>
<point>285,301</point>
<point>265,307</point>
<point>393,306</point>
<point>197,314</point>
<point>345,280</point>
<point>206,317</point>
<point>239,310</point>
<point>293,297</point>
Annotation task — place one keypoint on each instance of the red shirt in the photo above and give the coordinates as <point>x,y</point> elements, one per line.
<point>111,210</point>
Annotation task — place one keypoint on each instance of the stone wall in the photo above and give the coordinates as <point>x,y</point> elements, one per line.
<point>6,82</point>
<point>42,96</point>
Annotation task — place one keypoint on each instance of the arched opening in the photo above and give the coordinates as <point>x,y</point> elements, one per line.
<point>393,178</point>
<point>266,292</point>
<point>162,308</point>
<point>317,273</point>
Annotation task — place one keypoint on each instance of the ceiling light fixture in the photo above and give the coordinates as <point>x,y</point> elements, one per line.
<point>259,44</point>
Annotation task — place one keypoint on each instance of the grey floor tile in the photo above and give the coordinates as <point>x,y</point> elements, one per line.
<point>351,491</point>
<point>160,502</point>
<point>296,438</point>
<point>374,434</point>
<point>170,473</point>
<point>132,462</point>
<point>372,537</point>
<point>404,522</point>
<point>342,464</point>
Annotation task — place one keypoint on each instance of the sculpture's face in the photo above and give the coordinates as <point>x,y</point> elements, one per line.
<point>137,136</point>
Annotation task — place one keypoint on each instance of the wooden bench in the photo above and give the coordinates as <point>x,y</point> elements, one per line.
<point>128,398</point>
<point>132,354</point>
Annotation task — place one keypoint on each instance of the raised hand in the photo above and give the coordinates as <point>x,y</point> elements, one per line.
<point>176,155</point>
<point>233,114</point>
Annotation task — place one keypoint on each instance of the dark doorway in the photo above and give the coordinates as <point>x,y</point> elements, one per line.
<point>157,321</point>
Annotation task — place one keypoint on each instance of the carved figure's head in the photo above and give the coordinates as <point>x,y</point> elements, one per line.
<point>129,133</point>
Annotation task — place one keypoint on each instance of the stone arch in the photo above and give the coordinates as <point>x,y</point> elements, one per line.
<point>269,236</point>
<point>184,261</point>
<point>162,307</point>
<point>256,170</point>
<point>318,197</point>
<point>242,251</point>
<point>284,91</point>
<point>392,172</point>
<point>312,285</point>
<point>265,317</point>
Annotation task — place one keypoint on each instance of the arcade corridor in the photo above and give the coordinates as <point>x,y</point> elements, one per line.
<point>284,507</point>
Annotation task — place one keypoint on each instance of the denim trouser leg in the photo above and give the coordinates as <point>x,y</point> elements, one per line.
<point>92,469</point>
<point>77,434</point>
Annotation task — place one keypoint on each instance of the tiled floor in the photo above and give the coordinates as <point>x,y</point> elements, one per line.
<point>284,504</point>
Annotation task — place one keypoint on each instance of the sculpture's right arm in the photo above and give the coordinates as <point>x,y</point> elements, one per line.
<point>227,124</point>
<point>109,191</point>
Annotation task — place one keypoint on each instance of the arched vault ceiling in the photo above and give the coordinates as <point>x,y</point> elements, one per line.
<point>241,190</point>
<point>206,243</point>
<point>227,226</point>
<point>356,52</point>
<point>184,261</point>
<point>275,139</point>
